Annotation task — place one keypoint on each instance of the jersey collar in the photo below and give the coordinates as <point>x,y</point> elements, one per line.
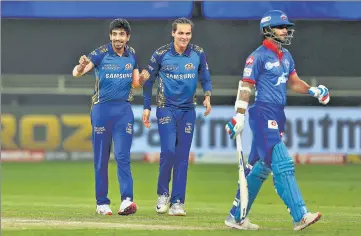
<point>187,52</point>
<point>111,51</point>
<point>271,45</point>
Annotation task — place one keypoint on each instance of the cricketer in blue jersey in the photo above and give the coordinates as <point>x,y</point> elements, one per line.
<point>116,72</point>
<point>178,67</point>
<point>270,68</point>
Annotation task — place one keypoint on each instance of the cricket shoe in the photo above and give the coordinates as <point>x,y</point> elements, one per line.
<point>104,210</point>
<point>307,220</point>
<point>243,225</point>
<point>162,204</point>
<point>177,209</point>
<point>127,207</point>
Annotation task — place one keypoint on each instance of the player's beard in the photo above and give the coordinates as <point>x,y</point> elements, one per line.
<point>118,44</point>
<point>282,38</point>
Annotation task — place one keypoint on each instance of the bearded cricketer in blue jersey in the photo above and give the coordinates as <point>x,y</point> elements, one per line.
<point>116,71</point>
<point>269,69</point>
<point>178,66</point>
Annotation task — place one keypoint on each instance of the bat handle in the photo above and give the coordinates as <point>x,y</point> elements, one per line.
<point>239,143</point>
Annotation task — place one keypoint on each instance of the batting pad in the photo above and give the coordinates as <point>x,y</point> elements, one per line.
<point>285,182</point>
<point>255,179</point>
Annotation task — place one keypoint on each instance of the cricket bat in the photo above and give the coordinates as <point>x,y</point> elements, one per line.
<point>243,187</point>
<point>242,181</point>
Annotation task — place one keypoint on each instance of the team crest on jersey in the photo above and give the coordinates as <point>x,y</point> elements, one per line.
<point>287,63</point>
<point>128,66</point>
<point>189,66</point>
<point>250,60</point>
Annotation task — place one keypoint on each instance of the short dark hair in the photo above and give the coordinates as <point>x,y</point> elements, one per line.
<point>120,24</point>
<point>182,20</point>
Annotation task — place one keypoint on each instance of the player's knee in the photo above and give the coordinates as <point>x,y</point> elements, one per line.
<point>260,170</point>
<point>281,160</point>
<point>122,158</point>
<point>168,152</point>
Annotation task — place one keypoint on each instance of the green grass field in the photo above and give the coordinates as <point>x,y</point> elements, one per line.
<point>57,198</point>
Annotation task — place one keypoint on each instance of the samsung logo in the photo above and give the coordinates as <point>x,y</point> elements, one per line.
<point>181,76</point>
<point>118,76</point>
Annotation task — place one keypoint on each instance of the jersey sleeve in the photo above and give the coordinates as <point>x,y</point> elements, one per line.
<point>154,65</point>
<point>132,52</point>
<point>292,66</point>
<point>153,70</point>
<point>97,55</point>
<point>204,75</point>
<point>252,69</point>
<point>136,65</point>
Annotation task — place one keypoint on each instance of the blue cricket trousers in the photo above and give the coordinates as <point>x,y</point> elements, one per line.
<point>266,121</point>
<point>175,128</point>
<point>112,121</point>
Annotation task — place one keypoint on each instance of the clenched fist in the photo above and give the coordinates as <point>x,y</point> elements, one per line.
<point>321,93</point>
<point>143,77</point>
<point>145,118</point>
<point>84,60</point>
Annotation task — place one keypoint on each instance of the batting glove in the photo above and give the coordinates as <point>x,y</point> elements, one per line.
<point>321,93</point>
<point>235,126</point>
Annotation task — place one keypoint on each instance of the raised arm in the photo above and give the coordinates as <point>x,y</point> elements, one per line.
<point>84,66</point>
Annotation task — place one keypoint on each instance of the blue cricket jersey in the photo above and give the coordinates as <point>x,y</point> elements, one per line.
<point>177,76</point>
<point>269,70</point>
<point>114,74</point>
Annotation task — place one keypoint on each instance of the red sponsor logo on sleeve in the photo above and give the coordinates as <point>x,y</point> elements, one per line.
<point>250,60</point>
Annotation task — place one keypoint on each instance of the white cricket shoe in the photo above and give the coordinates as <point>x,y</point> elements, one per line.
<point>177,209</point>
<point>104,210</point>
<point>243,225</point>
<point>307,220</point>
<point>162,204</point>
<point>127,207</point>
